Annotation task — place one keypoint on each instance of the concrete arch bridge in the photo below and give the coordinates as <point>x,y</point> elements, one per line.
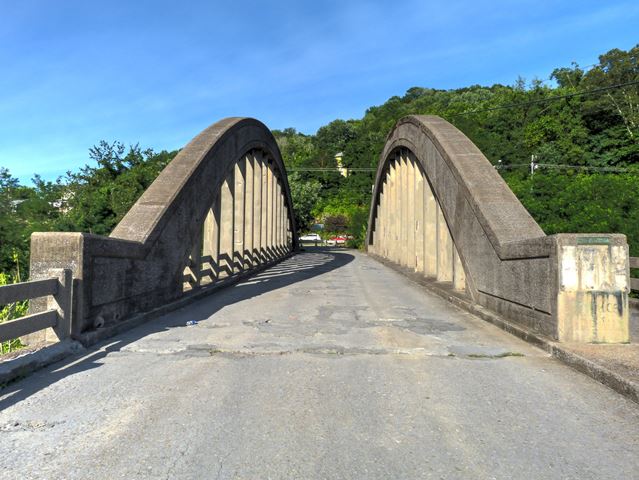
<point>200,333</point>
<point>222,209</point>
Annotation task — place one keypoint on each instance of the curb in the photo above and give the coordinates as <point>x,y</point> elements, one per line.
<point>30,362</point>
<point>603,375</point>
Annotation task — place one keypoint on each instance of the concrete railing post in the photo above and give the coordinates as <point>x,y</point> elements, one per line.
<point>61,302</point>
<point>64,303</point>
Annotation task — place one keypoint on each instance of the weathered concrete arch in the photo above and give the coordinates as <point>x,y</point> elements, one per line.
<point>436,194</point>
<point>221,207</point>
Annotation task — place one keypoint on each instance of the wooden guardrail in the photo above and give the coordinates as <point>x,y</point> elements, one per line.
<point>634,282</point>
<point>54,310</point>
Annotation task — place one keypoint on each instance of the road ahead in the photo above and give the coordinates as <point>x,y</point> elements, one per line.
<point>328,365</point>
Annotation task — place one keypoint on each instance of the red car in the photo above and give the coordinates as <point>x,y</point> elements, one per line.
<point>336,241</point>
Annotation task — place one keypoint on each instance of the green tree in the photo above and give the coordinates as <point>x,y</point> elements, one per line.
<point>98,197</point>
<point>305,195</point>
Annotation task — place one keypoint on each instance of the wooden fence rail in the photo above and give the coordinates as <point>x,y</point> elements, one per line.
<point>53,311</point>
<point>634,282</point>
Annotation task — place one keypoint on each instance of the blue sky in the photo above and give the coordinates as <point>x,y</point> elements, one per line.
<point>157,72</point>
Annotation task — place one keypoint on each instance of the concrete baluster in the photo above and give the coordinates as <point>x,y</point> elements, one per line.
<point>264,210</point>
<point>269,212</point>
<point>257,209</point>
<point>238,212</point>
<point>225,255</point>
<point>459,276</point>
<point>278,214</point>
<point>444,249</point>
<point>419,220</point>
<point>393,224</point>
<point>430,231</point>
<point>249,201</point>
<point>211,239</point>
<point>410,213</point>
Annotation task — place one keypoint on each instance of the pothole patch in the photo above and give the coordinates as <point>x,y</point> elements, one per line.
<point>28,425</point>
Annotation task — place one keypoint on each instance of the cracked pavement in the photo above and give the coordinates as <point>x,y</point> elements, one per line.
<point>327,365</point>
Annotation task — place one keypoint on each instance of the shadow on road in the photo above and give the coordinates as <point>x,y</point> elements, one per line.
<point>309,263</point>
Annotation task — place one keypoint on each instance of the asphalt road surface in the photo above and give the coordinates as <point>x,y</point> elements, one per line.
<point>329,366</point>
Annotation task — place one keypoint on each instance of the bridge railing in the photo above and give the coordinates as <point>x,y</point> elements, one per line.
<point>52,293</point>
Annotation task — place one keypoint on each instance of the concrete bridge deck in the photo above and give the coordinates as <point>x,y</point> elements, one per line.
<point>327,365</point>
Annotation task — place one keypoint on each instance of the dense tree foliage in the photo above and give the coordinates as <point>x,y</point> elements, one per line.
<point>96,198</point>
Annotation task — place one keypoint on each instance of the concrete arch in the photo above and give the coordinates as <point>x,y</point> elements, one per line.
<point>221,207</point>
<point>484,233</point>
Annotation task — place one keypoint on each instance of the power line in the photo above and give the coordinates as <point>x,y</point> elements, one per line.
<point>549,99</point>
<point>583,167</point>
<point>332,169</point>
<point>559,166</point>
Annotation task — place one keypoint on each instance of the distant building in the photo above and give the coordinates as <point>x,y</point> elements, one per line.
<point>62,204</point>
<point>15,203</point>
<point>343,171</point>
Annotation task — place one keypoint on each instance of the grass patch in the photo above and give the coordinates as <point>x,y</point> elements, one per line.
<point>11,312</point>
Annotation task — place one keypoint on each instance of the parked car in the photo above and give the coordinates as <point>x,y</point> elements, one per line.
<point>336,241</point>
<point>311,237</point>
